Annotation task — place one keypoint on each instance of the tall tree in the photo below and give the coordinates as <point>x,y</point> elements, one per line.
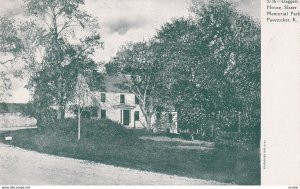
<point>180,47</point>
<point>137,60</point>
<point>214,59</point>
<point>207,65</point>
<point>234,44</point>
<point>82,93</point>
<point>70,38</point>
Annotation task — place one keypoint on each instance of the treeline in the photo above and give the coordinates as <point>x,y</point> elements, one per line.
<point>207,65</point>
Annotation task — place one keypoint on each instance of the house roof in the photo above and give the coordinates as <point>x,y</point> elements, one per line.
<point>116,83</point>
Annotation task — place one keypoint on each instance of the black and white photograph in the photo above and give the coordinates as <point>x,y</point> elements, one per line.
<point>130,92</point>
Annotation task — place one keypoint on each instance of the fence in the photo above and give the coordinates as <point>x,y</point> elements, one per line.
<point>16,120</point>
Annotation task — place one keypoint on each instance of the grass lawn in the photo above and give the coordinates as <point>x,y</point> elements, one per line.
<point>110,143</point>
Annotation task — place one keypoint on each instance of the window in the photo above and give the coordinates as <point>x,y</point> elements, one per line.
<point>103,97</point>
<point>122,99</point>
<point>103,114</point>
<point>94,112</point>
<point>170,117</point>
<point>137,101</point>
<point>136,116</point>
<point>85,113</point>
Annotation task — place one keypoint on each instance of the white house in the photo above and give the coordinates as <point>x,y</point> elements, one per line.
<point>122,106</point>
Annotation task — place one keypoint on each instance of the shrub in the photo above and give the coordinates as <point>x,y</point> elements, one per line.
<point>44,116</point>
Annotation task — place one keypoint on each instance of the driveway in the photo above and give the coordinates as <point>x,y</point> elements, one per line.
<point>23,167</point>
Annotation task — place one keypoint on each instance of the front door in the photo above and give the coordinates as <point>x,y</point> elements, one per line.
<point>126,115</point>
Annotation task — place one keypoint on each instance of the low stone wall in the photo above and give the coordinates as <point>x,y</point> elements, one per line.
<point>16,120</point>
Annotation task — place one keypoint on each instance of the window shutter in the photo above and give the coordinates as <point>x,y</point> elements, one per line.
<point>103,114</point>
<point>136,116</point>
<point>122,99</point>
<point>121,121</point>
<point>129,116</point>
<point>103,97</point>
<point>170,117</point>
<point>137,101</point>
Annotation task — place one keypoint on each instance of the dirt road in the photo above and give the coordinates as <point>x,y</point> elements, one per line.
<point>23,167</point>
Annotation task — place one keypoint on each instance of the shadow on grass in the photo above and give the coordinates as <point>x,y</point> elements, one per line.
<point>110,143</point>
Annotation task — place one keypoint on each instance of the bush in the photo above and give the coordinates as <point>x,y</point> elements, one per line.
<point>244,139</point>
<point>44,116</point>
<point>89,128</point>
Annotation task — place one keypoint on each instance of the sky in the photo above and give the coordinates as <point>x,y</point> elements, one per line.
<point>120,21</point>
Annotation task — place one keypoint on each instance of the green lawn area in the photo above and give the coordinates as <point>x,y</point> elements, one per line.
<point>110,143</point>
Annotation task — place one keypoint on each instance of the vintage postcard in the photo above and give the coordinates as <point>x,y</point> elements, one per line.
<point>149,92</point>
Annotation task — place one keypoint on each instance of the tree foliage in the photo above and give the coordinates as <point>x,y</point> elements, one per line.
<point>10,49</point>
<point>224,58</point>
<point>66,40</point>
<point>10,42</point>
<point>138,61</point>
<point>207,65</point>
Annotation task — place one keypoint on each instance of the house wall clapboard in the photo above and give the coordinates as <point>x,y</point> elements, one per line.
<point>115,109</point>
<point>120,105</point>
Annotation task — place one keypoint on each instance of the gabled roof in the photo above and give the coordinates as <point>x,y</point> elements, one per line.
<point>116,83</point>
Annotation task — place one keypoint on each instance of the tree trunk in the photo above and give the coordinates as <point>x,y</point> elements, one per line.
<point>148,122</point>
<point>61,112</point>
<point>147,116</point>
<point>79,115</point>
